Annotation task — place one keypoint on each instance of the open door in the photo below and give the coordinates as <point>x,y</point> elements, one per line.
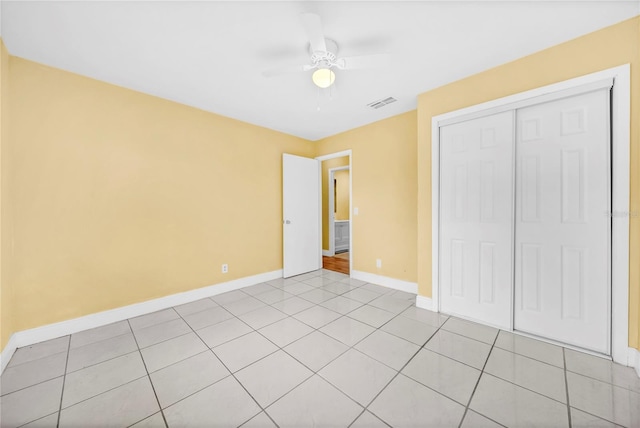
<point>301,211</point>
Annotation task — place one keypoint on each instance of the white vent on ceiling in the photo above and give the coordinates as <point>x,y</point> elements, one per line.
<point>381,103</point>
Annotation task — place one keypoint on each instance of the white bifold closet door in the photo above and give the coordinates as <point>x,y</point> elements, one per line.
<point>562,230</point>
<point>476,218</point>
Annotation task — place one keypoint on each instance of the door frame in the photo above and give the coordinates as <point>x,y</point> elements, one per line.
<point>331,209</point>
<point>350,167</point>
<point>620,185</point>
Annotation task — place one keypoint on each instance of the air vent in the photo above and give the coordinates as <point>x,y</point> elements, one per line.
<point>381,103</point>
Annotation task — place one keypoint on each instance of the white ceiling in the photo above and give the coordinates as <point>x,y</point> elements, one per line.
<point>210,55</point>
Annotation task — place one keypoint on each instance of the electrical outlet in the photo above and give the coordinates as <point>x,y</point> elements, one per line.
<point>225,268</point>
<point>378,263</point>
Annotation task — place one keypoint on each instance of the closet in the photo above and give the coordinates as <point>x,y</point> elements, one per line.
<point>525,224</point>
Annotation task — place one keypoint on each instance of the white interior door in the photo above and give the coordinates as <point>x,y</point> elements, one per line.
<point>301,211</point>
<point>476,218</point>
<point>562,276</point>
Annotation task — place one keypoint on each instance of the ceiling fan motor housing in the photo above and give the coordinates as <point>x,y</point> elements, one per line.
<point>327,58</point>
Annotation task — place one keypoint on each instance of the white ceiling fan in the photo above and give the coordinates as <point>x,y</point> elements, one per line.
<point>324,56</point>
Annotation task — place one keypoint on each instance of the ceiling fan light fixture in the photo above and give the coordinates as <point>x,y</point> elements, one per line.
<point>323,77</point>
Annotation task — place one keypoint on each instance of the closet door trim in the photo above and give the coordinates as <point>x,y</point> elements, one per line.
<point>552,96</point>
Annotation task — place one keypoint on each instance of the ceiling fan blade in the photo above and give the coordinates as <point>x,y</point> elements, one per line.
<point>363,61</point>
<point>313,25</point>
<point>287,70</point>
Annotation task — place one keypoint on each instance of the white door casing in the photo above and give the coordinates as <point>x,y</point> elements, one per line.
<point>332,203</point>
<point>563,225</point>
<point>301,212</point>
<point>476,218</point>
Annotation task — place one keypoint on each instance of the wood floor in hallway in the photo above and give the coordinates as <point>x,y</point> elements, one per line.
<point>339,263</point>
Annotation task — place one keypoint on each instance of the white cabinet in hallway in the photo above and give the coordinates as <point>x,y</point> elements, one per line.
<point>341,235</point>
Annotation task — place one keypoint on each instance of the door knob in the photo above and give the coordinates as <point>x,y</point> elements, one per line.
<point>287,222</point>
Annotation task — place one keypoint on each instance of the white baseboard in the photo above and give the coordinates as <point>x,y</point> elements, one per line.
<point>327,253</point>
<point>634,360</point>
<point>64,328</point>
<point>423,302</point>
<point>7,352</point>
<point>385,281</point>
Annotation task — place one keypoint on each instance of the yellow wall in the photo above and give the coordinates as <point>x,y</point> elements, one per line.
<point>6,315</point>
<point>326,166</point>
<point>384,186</point>
<point>125,197</point>
<point>606,48</point>
<point>342,194</point>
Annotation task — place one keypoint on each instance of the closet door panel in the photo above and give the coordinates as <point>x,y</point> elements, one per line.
<point>476,218</point>
<point>562,245</point>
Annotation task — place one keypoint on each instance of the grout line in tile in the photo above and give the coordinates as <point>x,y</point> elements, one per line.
<point>147,417</point>
<point>162,341</point>
<point>64,380</point>
<point>457,361</point>
<point>484,416</point>
<point>358,417</point>
<point>338,388</point>
<point>160,323</point>
<point>100,341</point>
<point>42,417</point>
<point>199,390</point>
<point>104,361</point>
<point>566,385</point>
<point>223,343</point>
<point>171,308</point>
<point>35,384</point>
<point>525,388</point>
<point>475,340</point>
<point>153,388</point>
<point>316,303</point>
<point>531,358</point>
<point>362,413</point>
<point>600,380</point>
<point>103,392</point>
<point>615,424</point>
<point>38,383</point>
<point>308,334</point>
<point>475,387</point>
<point>11,366</point>
<point>315,372</point>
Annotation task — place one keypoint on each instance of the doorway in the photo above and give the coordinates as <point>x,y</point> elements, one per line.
<point>578,296</point>
<point>336,243</point>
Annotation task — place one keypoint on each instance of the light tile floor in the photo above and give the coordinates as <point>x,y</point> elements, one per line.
<point>317,350</point>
